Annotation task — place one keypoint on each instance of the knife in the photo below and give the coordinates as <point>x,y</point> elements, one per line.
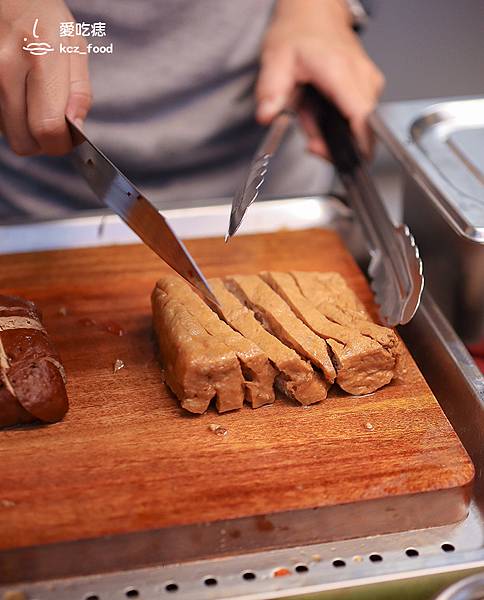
<point>116,191</point>
<point>395,269</point>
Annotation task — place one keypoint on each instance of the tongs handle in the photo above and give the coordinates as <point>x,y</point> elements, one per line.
<point>351,167</point>
<point>335,129</point>
<point>395,266</point>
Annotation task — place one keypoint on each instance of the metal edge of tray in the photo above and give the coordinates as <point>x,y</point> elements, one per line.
<point>392,123</point>
<point>93,229</point>
<point>434,556</point>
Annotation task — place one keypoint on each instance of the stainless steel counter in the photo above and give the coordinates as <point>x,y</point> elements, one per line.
<point>380,566</point>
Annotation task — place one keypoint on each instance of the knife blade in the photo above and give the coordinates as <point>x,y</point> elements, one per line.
<point>118,193</point>
<point>396,269</point>
<point>254,180</point>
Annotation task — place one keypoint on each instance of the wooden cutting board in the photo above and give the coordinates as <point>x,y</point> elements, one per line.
<point>129,479</point>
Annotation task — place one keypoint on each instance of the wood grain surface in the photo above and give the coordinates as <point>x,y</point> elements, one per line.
<point>128,478</point>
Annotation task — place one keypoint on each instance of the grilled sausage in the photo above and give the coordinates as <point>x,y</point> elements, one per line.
<point>32,379</point>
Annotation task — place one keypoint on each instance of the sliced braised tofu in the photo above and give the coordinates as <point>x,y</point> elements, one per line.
<point>333,288</point>
<point>280,320</point>
<point>198,366</point>
<point>338,309</point>
<point>362,365</point>
<point>297,331</point>
<point>296,377</point>
<point>258,372</point>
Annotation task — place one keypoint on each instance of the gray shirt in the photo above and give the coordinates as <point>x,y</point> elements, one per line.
<point>173,108</point>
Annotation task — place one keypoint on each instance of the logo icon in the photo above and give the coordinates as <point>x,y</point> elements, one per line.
<point>37,48</point>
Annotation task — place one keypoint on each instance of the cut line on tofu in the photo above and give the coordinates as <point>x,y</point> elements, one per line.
<point>297,379</point>
<point>258,373</point>
<point>279,319</point>
<point>362,364</point>
<point>314,287</point>
<point>184,348</point>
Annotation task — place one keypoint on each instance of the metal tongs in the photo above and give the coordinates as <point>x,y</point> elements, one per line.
<point>249,190</point>
<point>395,267</point>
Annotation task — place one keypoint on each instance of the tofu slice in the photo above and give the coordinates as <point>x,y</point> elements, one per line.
<point>362,364</point>
<point>278,318</point>
<point>339,309</point>
<point>198,366</point>
<point>297,379</point>
<point>258,372</point>
<point>334,289</point>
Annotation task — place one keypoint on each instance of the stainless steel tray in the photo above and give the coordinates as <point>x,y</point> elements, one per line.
<point>105,229</point>
<point>421,562</point>
<point>440,143</point>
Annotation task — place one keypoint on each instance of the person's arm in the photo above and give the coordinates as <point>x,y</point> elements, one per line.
<point>312,41</point>
<point>36,92</point>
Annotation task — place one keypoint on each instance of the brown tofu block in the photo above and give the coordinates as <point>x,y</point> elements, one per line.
<point>279,319</point>
<point>296,377</point>
<point>342,308</point>
<point>334,289</point>
<point>258,372</point>
<point>362,364</point>
<point>198,366</point>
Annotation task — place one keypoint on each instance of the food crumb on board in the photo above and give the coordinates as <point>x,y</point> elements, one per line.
<point>358,558</point>
<point>369,426</point>
<point>118,365</point>
<point>62,311</point>
<point>218,429</point>
<point>87,322</point>
<point>112,327</point>
<point>282,572</point>
<point>316,557</point>
<point>7,503</point>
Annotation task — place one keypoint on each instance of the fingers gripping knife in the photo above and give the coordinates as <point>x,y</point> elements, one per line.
<point>118,193</point>
<point>395,267</point>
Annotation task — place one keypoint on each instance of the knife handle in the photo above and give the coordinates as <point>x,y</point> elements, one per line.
<point>335,129</point>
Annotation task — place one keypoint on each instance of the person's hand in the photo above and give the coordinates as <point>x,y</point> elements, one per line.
<point>36,92</point>
<point>311,41</point>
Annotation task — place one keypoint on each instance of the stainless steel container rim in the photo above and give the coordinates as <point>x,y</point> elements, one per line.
<point>399,125</point>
